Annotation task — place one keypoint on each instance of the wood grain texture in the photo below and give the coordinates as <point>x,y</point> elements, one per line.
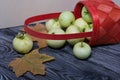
<point>104,63</point>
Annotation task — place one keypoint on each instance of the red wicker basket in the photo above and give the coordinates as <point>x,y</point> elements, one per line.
<point>106,23</point>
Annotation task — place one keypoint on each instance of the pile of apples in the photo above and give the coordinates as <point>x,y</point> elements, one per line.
<point>67,24</point>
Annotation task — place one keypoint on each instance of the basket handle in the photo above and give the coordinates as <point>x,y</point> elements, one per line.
<point>51,36</point>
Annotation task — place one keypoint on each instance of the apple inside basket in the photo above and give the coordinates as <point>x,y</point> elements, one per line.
<point>93,19</point>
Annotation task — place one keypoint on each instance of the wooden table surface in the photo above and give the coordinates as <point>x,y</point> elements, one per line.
<point>104,63</point>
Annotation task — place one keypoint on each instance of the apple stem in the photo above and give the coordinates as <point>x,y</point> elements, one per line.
<point>20,35</point>
<point>53,33</point>
<point>86,12</point>
<point>82,44</point>
<point>83,29</point>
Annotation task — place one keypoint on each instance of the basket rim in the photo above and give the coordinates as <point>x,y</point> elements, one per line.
<point>51,36</point>
<point>95,18</point>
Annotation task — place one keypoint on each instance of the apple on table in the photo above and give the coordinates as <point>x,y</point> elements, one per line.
<point>82,50</point>
<point>22,43</point>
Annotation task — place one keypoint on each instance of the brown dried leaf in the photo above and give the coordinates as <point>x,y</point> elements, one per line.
<point>42,43</point>
<point>42,57</point>
<point>31,62</point>
<point>45,58</point>
<point>39,28</point>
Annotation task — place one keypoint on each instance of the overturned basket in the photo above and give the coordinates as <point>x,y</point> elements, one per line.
<point>106,23</point>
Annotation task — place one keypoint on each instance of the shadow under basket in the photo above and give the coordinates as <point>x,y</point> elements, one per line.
<point>106,23</point>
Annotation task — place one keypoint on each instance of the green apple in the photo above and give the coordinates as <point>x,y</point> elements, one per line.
<point>70,30</point>
<point>66,18</point>
<point>49,23</point>
<point>89,29</point>
<point>91,25</point>
<point>81,24</point>
<point>22,43</point>
<point>56,43</point>
<point>86,15</point>
<point>55,25</point>
<point>82,50</point>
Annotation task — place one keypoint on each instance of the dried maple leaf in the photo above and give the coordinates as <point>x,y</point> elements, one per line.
<point>39,28</point>
<point>42,43</point>
<point>31,62</point>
